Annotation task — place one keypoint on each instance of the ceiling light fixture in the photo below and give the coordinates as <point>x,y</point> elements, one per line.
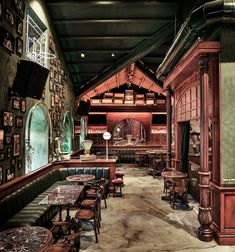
<point>113,54</point>
<point>83,55</point>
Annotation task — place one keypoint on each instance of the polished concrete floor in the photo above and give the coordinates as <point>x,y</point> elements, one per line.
<point>141,221</point>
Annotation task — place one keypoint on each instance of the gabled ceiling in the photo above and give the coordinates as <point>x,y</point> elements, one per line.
<point>113,35</point>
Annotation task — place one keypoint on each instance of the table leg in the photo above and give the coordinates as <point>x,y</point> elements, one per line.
<point>68,216</point>
<point>60,213</point>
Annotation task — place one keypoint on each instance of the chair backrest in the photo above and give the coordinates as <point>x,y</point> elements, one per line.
<point>180,185</point>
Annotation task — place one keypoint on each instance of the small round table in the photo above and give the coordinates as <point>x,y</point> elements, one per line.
<point>30,239</point>
<point>80,178</point>
<point>174,175</point>
<point>60,247</point>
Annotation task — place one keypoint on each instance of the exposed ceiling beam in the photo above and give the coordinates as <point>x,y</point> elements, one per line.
<point>157,39</point>
<point>117,21</point>
<point>71,51</point>
<point>135,2</point>
<point>72,63</point>
<point>148,73</point>
<point>102,37</point>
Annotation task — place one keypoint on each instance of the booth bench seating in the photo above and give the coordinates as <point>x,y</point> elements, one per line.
<point>22,208</point>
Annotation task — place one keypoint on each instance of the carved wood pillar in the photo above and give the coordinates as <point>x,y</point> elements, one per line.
<point>169,126</point>
<point>204,216</point>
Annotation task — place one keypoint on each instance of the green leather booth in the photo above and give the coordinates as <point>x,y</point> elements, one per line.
<point>22,208</point>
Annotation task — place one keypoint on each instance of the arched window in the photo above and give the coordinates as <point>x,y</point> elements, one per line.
<point>37,132</point>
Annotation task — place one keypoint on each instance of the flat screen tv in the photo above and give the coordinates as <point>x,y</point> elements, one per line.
<point>99,119</point>
<point>159,119</point>
<point>30,80</point>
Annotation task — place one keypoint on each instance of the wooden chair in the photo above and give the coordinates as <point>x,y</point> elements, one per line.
<point>90,215</point>
<point>67,232</point>
<point>179,189</point>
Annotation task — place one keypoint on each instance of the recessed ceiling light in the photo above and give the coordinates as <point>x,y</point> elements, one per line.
<point>113,54</point>
<point>83,55</point>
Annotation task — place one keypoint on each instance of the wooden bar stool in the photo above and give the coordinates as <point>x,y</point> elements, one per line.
<point>60,247</point>
<point>117,187</point>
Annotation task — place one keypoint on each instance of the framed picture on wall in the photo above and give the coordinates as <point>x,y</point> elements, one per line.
<point>1,139</point>
<point>8,152</point>
<point>15,103</point>
<point>7,140</point>
<point>7,40</point>
<point>23,106</point>
<point>7,119</point>
<point>2,156</point>
<point>10,173</point>
<point>16,145</point>
<point>9,17</point>
<point>19,121</point>
<point>19,26</point>
<point>19,163</point>
<point>51,44</point>
<point>19,46</point>
<point>52,101</point>
<point>1,176</point>
<point>51,85</point>
<point>19,6</point>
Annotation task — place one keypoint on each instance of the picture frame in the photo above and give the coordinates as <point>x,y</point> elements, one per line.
<point>10,173</point>
<point>51,72</point>
<point>51,85</point>
<point>8,140</point>
<point>19,6</point>
<point>56,76</point>
<point>7,119</point>
<point>1,175</point>
<point>13,162</point>
<point>19,26</point>
<point>16,145</point>
<point>19,121</point>
<point>15,103</point>
<point>56,98</point>
<point>54,119</point>
<point>23,106</point>
<point>19,164</point>
<point>8,152</point>
<point>51,44</point>
<point>1,139</point>
<point>2,156</point>
<point>9,16</point>
<point>7,41</point>
<point>52,101</point>
<point>19,46</point>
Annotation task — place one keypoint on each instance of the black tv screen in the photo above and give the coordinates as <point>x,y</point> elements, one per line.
<point>84,108</point>
<point>159,119</point>
<point>99,119</point>
<point>30,79</point>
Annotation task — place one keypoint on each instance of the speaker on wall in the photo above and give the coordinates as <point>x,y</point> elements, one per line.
<point>30,79</point>
<point>84,108</point>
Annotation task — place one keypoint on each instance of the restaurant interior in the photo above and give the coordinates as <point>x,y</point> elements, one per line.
<point>103,102</point>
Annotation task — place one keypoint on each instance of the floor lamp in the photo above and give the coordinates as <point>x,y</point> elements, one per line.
<point>106,137</point>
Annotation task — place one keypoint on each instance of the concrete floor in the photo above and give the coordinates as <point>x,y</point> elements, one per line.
<point>141,221</point>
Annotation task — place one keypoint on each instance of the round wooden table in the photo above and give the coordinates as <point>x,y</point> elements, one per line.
<point>60,247</point>
<point>174,175</point>
<point>80,178</point>
<point>22,239</point>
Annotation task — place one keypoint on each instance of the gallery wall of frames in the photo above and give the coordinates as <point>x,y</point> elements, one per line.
<point>58,95</point>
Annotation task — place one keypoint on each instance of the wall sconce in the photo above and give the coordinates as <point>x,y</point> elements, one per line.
<point>107,137</point>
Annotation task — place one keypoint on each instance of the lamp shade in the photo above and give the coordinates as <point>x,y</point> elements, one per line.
<point>106,135</point>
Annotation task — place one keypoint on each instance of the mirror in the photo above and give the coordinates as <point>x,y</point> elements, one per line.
<point>129,132</point>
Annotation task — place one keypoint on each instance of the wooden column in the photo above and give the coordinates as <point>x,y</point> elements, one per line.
<point>169,126</point>
<point>204,216</point>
